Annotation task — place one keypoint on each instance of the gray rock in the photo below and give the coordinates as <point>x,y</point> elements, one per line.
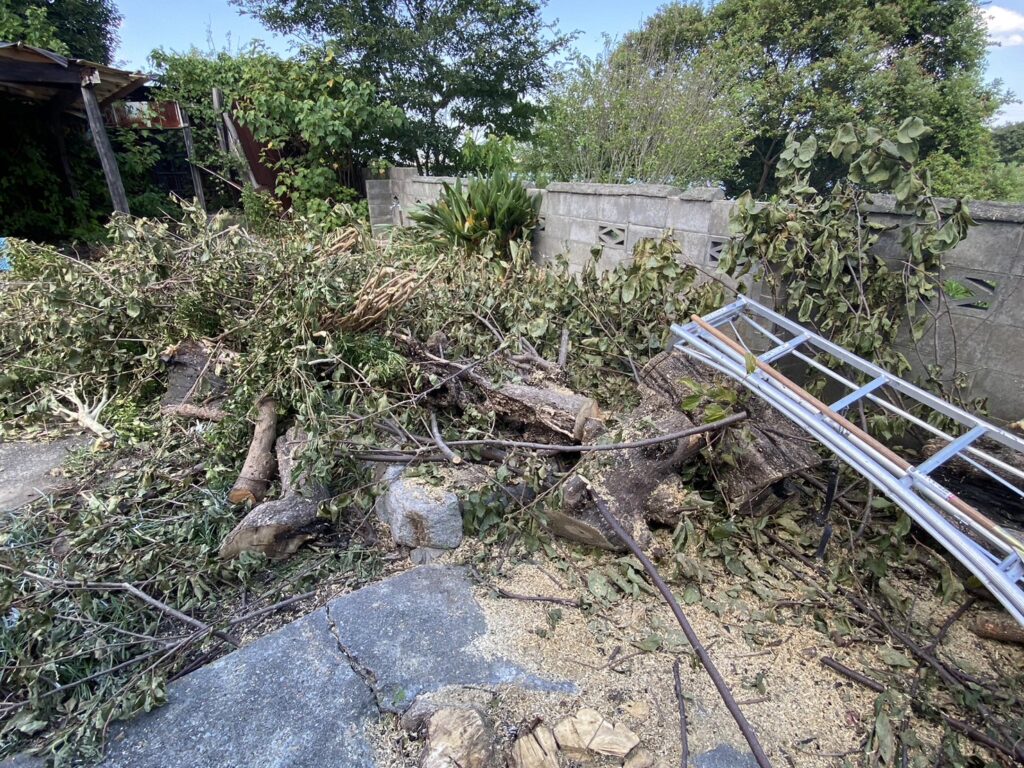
<point>725,756</point>
<point>418,632</point>
<point>425,555</point>
<point>308,693</point>
<point>288,699</point>
<point>420,514</point>
<point>26,470</point>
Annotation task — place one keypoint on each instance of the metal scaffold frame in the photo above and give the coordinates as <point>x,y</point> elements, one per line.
<point>727,339</point>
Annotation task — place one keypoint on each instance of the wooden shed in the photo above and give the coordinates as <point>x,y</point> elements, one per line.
<point>61,86</point>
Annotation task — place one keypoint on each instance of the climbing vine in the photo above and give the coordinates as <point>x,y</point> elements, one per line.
<point>828,255</point>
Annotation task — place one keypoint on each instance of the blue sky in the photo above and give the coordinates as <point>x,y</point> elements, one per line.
<point>178,25</point>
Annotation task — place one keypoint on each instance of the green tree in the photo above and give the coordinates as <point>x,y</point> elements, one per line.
<point>314,123</point>
<point>626,116</point>
<point>1009,141</point>
<point>30,26</point>
<point>84,29</point>
<point>812,65</point>
<point>451,65</point>
<point>36,198</point>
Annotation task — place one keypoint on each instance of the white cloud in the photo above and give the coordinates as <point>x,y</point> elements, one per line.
<point>1005,27</point>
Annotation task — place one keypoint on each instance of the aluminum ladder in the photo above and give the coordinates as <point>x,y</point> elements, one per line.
<point>743,339</point>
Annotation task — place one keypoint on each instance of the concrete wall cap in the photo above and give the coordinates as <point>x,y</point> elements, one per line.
<point>703,194</point>
<point>638,190</point>
<point>981,210</point>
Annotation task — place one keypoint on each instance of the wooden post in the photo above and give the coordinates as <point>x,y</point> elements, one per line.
<point>218,106</point>
<point>102,142</point>
<point>231,140</point>
<point>190,153</point>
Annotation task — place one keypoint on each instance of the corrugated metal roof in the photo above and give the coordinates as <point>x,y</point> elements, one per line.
<point>109,83</point>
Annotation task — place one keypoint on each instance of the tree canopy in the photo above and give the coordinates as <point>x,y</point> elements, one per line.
<point>84,29</point>
<point>624,116</point>
<point>315,124</point>
<point>812,65</point>
<point>450,65</point>
<point>1009,141</point>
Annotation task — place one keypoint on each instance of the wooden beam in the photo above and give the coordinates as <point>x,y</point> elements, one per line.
<point>125,90</point>
<point>41,74</point>
<point>106,152</point>
<point>190,153</point>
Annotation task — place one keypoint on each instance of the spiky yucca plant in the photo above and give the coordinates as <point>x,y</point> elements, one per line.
<point>484,216</point>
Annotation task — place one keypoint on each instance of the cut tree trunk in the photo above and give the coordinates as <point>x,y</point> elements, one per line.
<point>546,411</point>
<point>279,527</point>
<point>251,485</point>
<point>978,488</point>
<point>643,484</point>
<point>1001,628</point>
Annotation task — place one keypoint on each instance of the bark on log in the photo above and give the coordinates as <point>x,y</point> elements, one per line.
<point>1000,628</point>
<point>643,484</point>
<point>279,527</point>
<point>252,483</point>
<point>189,411</point>
<point>546,411</point>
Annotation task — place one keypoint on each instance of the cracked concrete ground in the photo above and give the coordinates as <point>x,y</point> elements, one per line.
<point>26,470</point>
<point>312,692</point>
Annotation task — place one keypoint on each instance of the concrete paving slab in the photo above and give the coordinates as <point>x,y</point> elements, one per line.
<point>26,470</point>
<point>310,693</point>
<point>420,631</point>
<point>289,699</point>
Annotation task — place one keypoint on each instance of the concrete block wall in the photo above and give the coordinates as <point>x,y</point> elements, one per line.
<point>605,221</point>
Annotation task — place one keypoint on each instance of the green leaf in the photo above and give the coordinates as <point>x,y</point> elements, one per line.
<point>894,658</point>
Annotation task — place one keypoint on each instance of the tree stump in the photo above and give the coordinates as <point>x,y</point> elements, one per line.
<point>642,484</point>
<point>278,528</point>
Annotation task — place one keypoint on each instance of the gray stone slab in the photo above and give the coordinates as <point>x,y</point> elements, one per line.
<point>636,233</point>
<point>688,215</point>
<point>420,631</point>
<point>23,761</point>
<point>287,700</point>
<point>718,221</point>
<point>26,470</point>
<point>309,693</point>
<point>992,246</point>
<point>1004,391</point>
<point>647,211</point>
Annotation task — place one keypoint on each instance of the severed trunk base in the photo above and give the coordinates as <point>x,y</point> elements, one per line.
<point>643,484</point>
<point>279,527</point>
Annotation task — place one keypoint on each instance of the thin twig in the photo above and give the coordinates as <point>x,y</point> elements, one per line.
<point>435,433</point>
<point>587,448</point>
<point>853,674</point>
<point>691,636</point>
<point>271,608</point>
<point>957,725</point>
<point>538,598</point>
<point>683,741</point>
<point>131,589</point>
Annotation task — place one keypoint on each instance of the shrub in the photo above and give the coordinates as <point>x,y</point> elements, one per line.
<point>488,216</point>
